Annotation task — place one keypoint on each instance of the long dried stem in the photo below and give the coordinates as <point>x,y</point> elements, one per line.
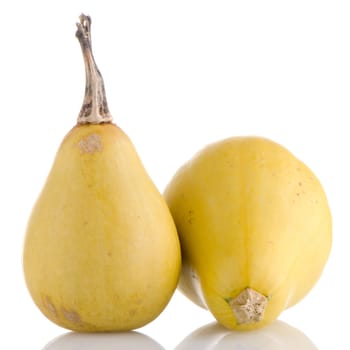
<point>94,109</point>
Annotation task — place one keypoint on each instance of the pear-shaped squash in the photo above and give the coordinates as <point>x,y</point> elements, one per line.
<point>101,251</point>
<point>255,229</point>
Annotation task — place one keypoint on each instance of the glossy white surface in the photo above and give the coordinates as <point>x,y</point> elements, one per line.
<point>276,336</point>
<point>128,340</point>
<point>178,75</point>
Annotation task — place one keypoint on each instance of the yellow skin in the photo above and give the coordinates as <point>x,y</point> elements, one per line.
<point>101,251</point>
<point>249,214</point>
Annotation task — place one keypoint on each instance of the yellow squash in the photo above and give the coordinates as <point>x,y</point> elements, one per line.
<point>255,229</point>
<point>101,251</point>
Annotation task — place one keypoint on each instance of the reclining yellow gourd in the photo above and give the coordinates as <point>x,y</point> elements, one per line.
<point>255,229</point>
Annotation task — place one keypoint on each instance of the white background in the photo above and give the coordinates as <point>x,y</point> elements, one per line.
<point>178,75</point>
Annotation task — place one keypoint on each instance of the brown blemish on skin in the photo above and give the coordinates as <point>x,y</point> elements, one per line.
<point>49,306</point>
<point>71,316</point>
<point>90,144</point>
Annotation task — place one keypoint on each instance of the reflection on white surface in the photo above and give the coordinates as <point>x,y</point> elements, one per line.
<point>279,335</point>
<point>103,341</point>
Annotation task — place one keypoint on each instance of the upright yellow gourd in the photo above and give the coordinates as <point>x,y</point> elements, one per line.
<point>254,226</point>
<point>101,251</point>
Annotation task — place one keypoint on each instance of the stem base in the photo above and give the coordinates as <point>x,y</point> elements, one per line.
<point>248,306</point>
